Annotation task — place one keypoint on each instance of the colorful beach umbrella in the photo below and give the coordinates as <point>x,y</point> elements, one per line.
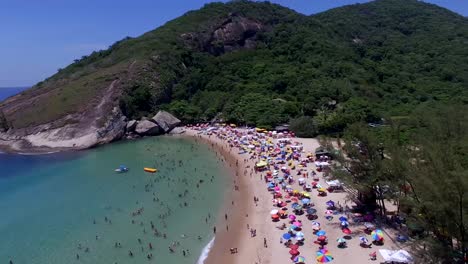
<point>344,223</point>
<point>330,203</point>
<point>292,217</point>
<point>275,216</point>
<point>377,235</point>
<point>298,224</point>
<point>287,236</point>
<point>343,218</point>
<point>294,252</point>
<point>294,246</point>
<point>311,211</point>
<point>322,238</point>
<point>299,234</point>
<point>321,233</point>
<point>323,256</point>
<point>305,201</point>
<point>328,212</point>
<point>341,240</point>
<point>363,240</point>
<point>274,211</point>
<point>299,259</point>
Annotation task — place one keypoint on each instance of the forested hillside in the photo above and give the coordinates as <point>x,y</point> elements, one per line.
<point>262,64</point>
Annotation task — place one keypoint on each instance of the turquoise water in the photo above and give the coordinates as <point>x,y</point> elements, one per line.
<point>51,204</point>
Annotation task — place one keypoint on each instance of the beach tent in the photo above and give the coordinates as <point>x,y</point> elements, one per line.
<point>400,256</point>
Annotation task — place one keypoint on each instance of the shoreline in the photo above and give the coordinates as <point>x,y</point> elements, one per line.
<point>235,205</point>
<point>242,213</point>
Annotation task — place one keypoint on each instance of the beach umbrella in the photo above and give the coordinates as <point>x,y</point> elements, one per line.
<point>314,223</point>
<point>292,227</point>
<point>330,203</point>
<point>273,212</point>
<point>277,188</point>
<point>275,216</point>
<point>321,238</point>
<point>306,195</point>
<point>344,223</point>
<point>346,230</point>
<point>305,201</point>
<point>321,189</point>
<point>363,240</point>
<point>377,235</point>
<point>343,218</point>
<point>311,211</point>
<point>323,256</point>
<point>341,240</point>
<point>293,246</point>
<point>321,233</point>
<point>369,225</point>
<point>287,236</point>
<point>299,234</point>
<point>297,223</point>
<point>294,252</point>
<point>299,238</point>
<point>292,217</point>
<point>328,212</point>
<point>299,259</point>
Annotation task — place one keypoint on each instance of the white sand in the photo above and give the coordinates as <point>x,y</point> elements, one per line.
<point>252,250</point>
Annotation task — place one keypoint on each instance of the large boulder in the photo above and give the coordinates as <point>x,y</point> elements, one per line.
<point>131,125</point>
<point>147,128</point>
<point>166,121</point>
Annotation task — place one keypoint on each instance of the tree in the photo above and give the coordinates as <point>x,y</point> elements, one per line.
<point>304,127</point>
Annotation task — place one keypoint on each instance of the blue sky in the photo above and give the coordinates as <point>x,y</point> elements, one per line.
<point>38,37</point>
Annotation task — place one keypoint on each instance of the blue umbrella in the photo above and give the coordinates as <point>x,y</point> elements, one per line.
<point>330,203</point>
<point>286,236</point>
<point>344,223</point>
<point>321,233</point>
<point>342,219</point>
<point>311,211</point>
<point>305,201</point>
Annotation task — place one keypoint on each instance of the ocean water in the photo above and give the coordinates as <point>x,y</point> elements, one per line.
<point>50,204</point>
<point>6,92</point>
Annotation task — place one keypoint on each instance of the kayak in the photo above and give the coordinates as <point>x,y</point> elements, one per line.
<point>121,169</point>
<point>152,170</point>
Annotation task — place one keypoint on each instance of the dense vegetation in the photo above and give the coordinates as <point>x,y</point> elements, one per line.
<point>355,63</point>
<point>425,172</point>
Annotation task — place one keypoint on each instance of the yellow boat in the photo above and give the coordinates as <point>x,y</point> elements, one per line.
<point>152,170</point>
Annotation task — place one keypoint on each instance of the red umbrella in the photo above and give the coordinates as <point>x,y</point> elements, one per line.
<point>294,252</point>
<point>346,231</point>
<point>293,247</point>
<point>322,238</point>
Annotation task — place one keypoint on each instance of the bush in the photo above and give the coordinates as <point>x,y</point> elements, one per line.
<point>304,127</point>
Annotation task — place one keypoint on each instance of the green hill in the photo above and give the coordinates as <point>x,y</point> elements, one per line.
<point>263,64</point>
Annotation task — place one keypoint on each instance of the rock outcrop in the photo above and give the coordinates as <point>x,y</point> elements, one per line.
<point>235,32</point>
<point>166,121</point>
<point>131,125</point>
<point>147,128</point>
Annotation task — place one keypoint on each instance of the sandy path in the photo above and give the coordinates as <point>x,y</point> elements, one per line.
<point>252,250</point>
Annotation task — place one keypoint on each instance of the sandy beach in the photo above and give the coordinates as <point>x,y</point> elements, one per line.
<point>244,214</point>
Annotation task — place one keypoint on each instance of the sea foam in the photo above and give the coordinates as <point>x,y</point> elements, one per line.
<point>205,252</point>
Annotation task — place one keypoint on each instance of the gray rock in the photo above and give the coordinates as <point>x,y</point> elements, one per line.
<point>147,128</point>
<point>131,125</point>
<point>166,121</point>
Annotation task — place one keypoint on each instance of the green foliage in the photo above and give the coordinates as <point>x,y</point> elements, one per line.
<point>354,63</point>
<point>425,172</point>
<point>304,127</point>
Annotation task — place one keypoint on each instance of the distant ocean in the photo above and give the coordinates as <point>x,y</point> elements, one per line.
<point>58,207</point>
<point>6,92</point>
